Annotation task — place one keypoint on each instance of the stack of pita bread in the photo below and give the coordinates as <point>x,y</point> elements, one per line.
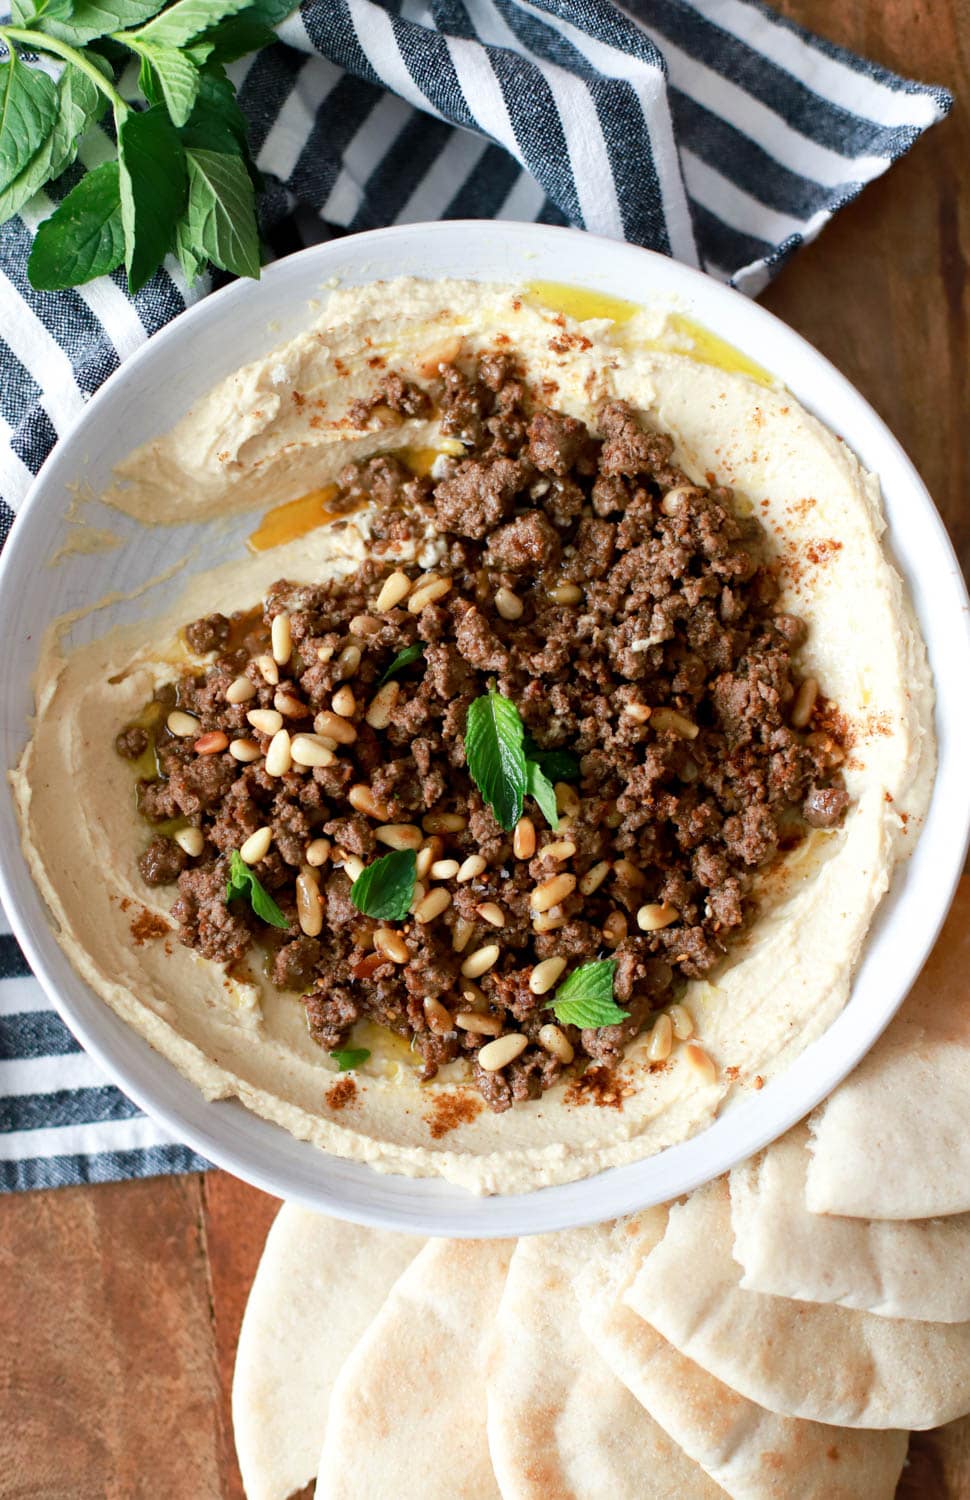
<point>774,1336</point>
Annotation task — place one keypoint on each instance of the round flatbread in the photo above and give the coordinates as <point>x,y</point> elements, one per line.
<point>560,1424</point>
<point>407,1413</point>
<point>897,1269</point>
<point>892,1141</point>
<point>826,1364</point>
<point>319,1283</point>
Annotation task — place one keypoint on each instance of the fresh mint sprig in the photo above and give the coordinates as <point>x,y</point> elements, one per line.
<point>242,882</point>
<point>586,997</point>
<point>507,765</point>
<point>183,180</point>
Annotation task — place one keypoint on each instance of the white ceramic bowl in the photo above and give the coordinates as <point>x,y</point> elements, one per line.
<point>150,392</point>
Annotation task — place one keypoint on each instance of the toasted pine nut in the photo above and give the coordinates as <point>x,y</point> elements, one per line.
<point>245,751</point>
<point>309,902</point>
<point>546,974</point>
<point>505,1049</point>
<point>427,855</point>
<point>211,743</point>
<point>475,864</point>
<point>382,705</point>
<point>309,750</point>
<point>281,638</point>
<point>566,593</point>
<point>661,1039</point>
<point>491,912</point>
<point>701,1064</point>
<point>418,894</point>
<point>192,840</point>
<point>348,661</point>
<point>181,724</point>
<point>278,758</point>
<point>438,1016</point>
<point>434,903</point>
<point>460,934</point>
<point>676,499</point>
<point>256,847</point>
<point>524,839</point>
<point>567,800</point>
<point>344,702</point>
<point>362,800</point>
<point>334,727</point>
<point>268,669</point>
<point>427,590</point>
<point>669,721</point>
<point>317,852</point>
<point>652,917</point>
<point>266,720</point>
<point>399,836</point>
<point>558,849</point>
<point>364,625</point>
<point>392,945</point>
<point>552,1039</point>
<point>548,921</point>
<point>444,822</point>
<point>482,1025</point>
<point>594,877</point>
<point>614,929</point>
<point>552,891</point>
<point>289,705</point>
<point>325,653</point>
<point>394,589</point>
<point>682,1021</point>
<point>354,866</point>
<point>240,690</point>
<point>443,869</point>
<point>479,962</point>
<point>804,703</point>
<point>509,605</point>
<point>626,871</point>
<point>640,712</point>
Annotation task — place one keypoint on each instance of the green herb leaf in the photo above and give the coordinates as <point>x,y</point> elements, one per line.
<point>86,20</point>
<point>541,788</point>
<point>28,109</point>
<point>558,765</point>
<point>220,217</point>
<point>586,997</point>
<point>84,237</point>
<point>80,104</point>
<point>234,38</point>
<point>216,123</point>
<point>242,882</point>
<point>403,659</point>
<point>154,187</point>
<point>176,75</point>
<point>386,888</point>
<point>350,1057</point>
<point>495,755</point>
<point>182,22</point>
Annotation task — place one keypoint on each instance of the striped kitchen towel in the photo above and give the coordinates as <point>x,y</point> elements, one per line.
<point>710,130</point>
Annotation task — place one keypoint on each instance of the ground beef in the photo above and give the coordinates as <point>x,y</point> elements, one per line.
<point>629,615</point>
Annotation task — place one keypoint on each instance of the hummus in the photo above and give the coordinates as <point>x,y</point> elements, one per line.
<point>280,428</point>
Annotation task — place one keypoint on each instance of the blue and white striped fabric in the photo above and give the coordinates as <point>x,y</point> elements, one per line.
<point>710,130</point>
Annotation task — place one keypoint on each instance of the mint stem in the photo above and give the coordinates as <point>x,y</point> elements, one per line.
<point>38,41</point>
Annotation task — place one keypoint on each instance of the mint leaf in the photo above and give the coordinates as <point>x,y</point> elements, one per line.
<point>558,765</point>
<point>350,1057</point>
<point>495,755</point>
<point>541,788</point>
<point>242,882</point>
<point>84,237</point>
<point>403,659</point>
<point>180,23</point>
<point>586,997</point>
<point>80,104</point>
<point>176,75</point>
<point>386,888</point>
<point>220,217</point>
<point>86,20</point>
<point>154,187</point>
<point>234,38</point>
<point>216,123</point>
<point>28,109</point>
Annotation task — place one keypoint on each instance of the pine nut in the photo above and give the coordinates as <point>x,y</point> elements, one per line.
<point>568,801</point>
<point>491,912</point>
<point>552,891</point>
<point>353,866</point>
<point>268,669</point>
<point>443,869</point>
<point>289,705</point>
<point>211,743</point>
<point>266,720</point>
<point>546,974</point>
<point>661,1039</point>
<point>399,836</point>
<point>548,921</point>
<point>418,895</point>
<point>524,839</point>
<point>551,1039</point>
<point>558,849</point>
<point>427,855</point>
<point>428,590</point>
<point>364,625</point>
<point>278,758</point>
<point>676,499</point>
<point>245,751</point>
<point>282,638</point>
<point>309,902</point>
<point>444,823</point>
<point>325,653</point>
<point>474,997</point>
<point>479,962</point>
<point>475,864</point>
<point>317,852</point>
<point>256,847</point>
<point>700,1063</point>
<point>652,917</point>
<point>804,703</point>
<point>240,690</point>
<point>460,934</point>
<point>348,661</point>
<point>434,903</point>
<point>471,1020</point>
<point>344,703</point>
<point>566,593</point>
<point>509,605</point>
<point>181,724</point>
<point>640,712</point>
<point>392,945</point>
<point>505,1049</point>
<point>614,929</point>
<point>308,750</point>
<point>626,871</point>
<point>362,800</point>
<point>682,1021</point>
<point>669,721</point>
<point>395,588</point>
<point>594,877</point>
<point>382,705</point>
<point>437,1016</point>
<point>334,727</point>
<point>192,840</point>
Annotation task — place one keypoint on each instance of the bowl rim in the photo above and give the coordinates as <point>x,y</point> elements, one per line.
<point>412,1204</point>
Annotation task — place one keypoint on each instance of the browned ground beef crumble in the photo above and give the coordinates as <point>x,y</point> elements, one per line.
<point>671,606</point>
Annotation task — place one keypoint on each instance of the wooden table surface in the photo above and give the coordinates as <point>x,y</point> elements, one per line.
<point>120,1304</point>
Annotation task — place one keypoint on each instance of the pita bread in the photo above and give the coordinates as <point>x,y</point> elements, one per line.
<point>560,1425</point>
<point>918,1269</point>
<point>407,1413</point>
<point>301,1321</point>
<point>892,1141</point>
<point>753,1454</point>
<point>802,1359</point>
